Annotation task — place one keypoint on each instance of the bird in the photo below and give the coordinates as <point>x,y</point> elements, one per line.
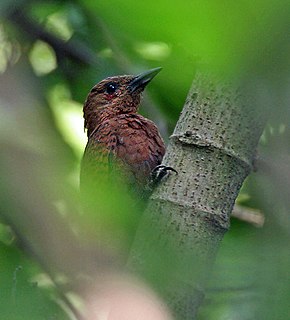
<point>122,142</point>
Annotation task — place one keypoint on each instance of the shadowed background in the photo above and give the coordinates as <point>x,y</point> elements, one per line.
<point>51,54</point>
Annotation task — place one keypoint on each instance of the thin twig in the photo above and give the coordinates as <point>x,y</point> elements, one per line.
<point>252,216</point>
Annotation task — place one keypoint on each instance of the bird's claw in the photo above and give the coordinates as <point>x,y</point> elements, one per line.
<point>158,173</point>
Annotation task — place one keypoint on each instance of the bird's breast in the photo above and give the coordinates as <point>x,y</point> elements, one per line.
<point>133,141</point>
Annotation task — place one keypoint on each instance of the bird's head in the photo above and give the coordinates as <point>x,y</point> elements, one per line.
<point>115,95</point>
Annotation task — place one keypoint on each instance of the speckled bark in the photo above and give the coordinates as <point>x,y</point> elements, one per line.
<point>212,148</point>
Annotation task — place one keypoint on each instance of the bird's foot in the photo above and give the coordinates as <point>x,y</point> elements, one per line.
<point>158,173</point>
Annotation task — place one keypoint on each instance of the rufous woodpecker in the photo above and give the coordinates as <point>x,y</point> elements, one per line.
<point>120,139</point>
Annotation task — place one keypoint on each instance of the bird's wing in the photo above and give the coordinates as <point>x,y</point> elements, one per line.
<point>99,157</point>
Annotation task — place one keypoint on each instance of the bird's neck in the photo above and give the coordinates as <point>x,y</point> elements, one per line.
<point>94,119</point>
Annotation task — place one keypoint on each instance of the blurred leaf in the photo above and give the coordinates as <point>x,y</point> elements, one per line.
<point>42,58</point>
<point>58,24</point>
<point>243,40</point>
<point>21,297</point>
<point>69,117</point>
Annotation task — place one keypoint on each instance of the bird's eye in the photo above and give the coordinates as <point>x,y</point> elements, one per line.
<point>111,87</point>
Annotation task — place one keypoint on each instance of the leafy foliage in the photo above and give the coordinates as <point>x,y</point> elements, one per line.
<point>52,53</point>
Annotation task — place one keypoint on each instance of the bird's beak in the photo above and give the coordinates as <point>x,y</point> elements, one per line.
<point>142,79</point>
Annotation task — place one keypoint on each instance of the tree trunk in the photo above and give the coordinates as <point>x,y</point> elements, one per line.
<point>212,148</point>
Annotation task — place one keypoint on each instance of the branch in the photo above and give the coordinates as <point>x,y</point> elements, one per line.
<point>212,148</point>
<point>73,50</point>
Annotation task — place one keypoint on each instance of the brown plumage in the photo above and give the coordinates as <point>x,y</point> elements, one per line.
<point>120,141</point>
